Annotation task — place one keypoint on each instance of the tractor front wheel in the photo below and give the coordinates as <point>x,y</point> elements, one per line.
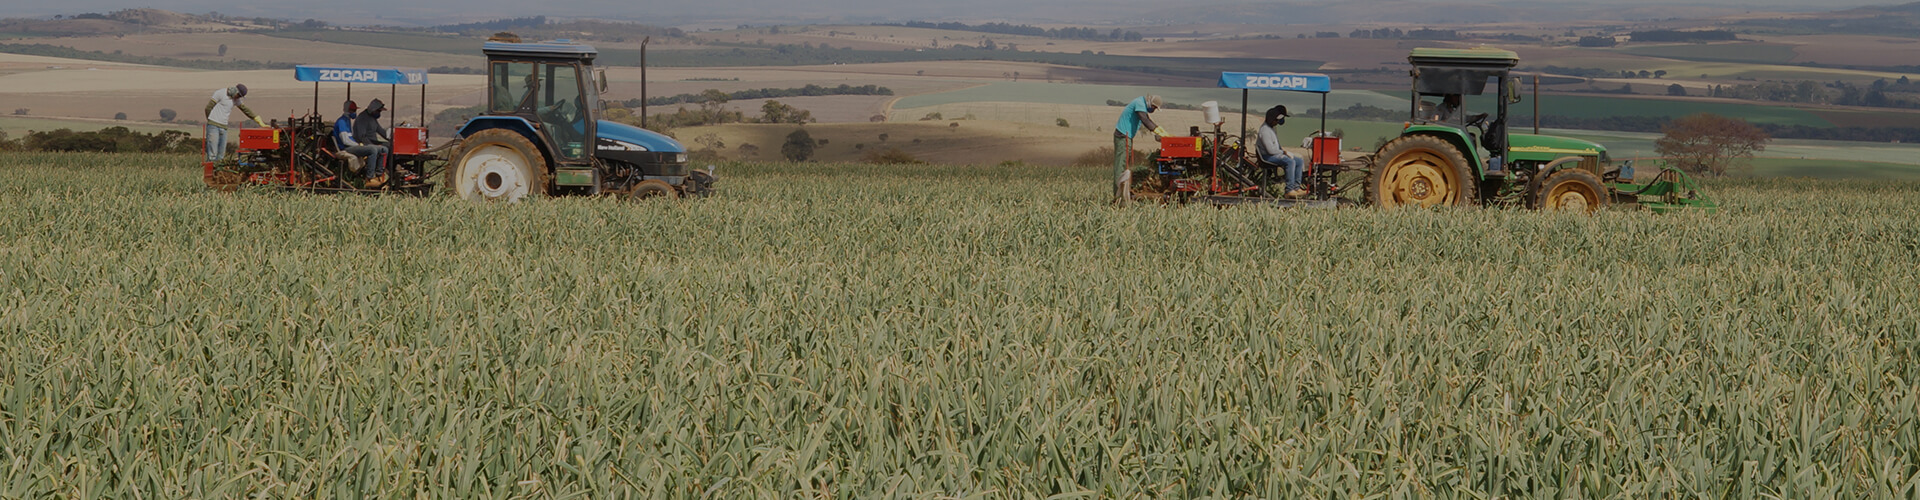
<point>652,188</point>
<point>1572,190</point>
<point>498,165</point>
<point>1422,171</point>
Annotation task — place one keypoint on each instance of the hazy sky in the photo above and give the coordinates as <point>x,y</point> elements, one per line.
<point>749,11</point>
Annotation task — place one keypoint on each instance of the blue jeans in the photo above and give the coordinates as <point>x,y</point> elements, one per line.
<point>1295,167</point>
<point>376,158</point>
<point>216,142</point>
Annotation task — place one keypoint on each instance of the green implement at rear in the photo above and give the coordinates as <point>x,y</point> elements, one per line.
<point>1671,191</point>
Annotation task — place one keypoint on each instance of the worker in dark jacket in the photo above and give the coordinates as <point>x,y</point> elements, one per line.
<point>1133,118</point>
<point>343,130</point>
<point>368,132</point>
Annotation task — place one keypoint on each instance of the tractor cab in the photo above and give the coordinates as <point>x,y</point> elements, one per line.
<point>1442,81</point>
<point>542,133</point>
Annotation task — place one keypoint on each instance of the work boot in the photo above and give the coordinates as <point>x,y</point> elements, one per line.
<point>376,182</point>
<point>1298,193</point>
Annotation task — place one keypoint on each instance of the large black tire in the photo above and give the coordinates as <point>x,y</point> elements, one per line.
<point>1422,171</point>
<point>649,189</point>
<point>497,165</point>
<point>1571,189</point>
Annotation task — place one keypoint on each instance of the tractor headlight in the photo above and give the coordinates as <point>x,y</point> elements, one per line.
<point>680,158</point>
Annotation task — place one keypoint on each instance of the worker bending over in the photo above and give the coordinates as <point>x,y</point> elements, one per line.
<point>1133,118</point>
<point>219,110</point>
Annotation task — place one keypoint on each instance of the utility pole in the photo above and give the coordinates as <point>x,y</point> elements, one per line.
<point>643,80</point>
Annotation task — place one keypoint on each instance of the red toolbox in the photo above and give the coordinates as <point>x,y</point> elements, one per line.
<point>259,138</point>
<point>1179,147</point>
<point>1326,150</point>
<point>409,140</point>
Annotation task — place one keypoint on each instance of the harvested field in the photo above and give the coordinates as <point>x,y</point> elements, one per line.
<point>84,90</point>
<point>973,142</point>
<point>264,48</point>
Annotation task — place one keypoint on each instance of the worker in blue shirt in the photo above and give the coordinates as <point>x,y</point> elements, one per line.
<point>371,153</point>
<point>1133,118</point>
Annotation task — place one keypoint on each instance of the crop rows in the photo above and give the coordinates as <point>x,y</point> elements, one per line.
<point>944,331</point>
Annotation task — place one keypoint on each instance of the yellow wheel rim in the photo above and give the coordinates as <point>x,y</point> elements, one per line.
<point>1573,196</point>
<point>1420,178</point>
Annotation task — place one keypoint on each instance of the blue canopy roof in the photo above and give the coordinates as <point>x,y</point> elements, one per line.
<point>1297,82</point>
<point>360,74</point>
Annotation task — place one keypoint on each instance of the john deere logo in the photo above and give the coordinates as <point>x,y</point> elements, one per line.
<point>1277,82</point>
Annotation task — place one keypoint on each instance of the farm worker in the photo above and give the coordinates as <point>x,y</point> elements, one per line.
<point>1131,120</point>
<point>1449,109</point>
<point>367,131</point>
<point>1271,152</point>
<point>343,139</point>
<point>219,108</point>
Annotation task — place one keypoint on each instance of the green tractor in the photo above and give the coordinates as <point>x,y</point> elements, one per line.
<point>1448,156</point>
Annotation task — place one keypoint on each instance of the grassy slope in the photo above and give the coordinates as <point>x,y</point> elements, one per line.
<point>924,331</point>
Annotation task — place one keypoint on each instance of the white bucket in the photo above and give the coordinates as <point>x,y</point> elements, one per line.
<point>1213,112</point>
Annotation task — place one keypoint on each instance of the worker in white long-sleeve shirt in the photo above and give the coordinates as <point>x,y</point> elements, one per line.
<point>1271,153</point>
<point>219,110</point>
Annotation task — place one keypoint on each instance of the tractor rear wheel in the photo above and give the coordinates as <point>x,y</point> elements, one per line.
<point>1422,171</point>
<point>1572,190</point>
<point>652,188</point>
<point>498,165</point>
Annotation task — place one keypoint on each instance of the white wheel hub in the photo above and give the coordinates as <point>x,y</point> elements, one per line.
<point>495,173</point>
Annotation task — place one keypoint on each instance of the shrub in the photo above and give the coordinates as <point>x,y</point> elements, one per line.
<point>1062,122</point>
<point>889,156</point>
<point>799,146</point>
<point>120,116</point>
<point>167,114</point>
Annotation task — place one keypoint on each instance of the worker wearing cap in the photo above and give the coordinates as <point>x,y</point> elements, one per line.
<point>1133,118</point>
<point>373,154</point>
<point>219,109</point>
<point>1271,152</point>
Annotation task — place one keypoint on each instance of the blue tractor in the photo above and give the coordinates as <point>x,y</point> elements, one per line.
<point>541,134</point>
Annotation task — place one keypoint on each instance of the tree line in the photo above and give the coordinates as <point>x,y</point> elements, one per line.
<point>1116,34</point>
<point>41,49</point>
<point>106,140</point>
<point>811,90</point>
<point>1653,124</point>
<point>1681,36</point>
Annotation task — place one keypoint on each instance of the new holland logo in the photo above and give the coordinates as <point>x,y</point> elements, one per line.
<point>348,75</point>
<point>1277,82</point>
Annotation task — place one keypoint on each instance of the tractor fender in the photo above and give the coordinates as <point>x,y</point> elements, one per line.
<point>1455,137</point>
<point>514,123</point>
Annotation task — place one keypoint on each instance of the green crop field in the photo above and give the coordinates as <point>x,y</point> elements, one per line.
<point>933,331</point>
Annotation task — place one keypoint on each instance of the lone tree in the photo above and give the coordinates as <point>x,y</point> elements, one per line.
<point>1709,143</point>
<point>167,114</point>
<point>223,50</point>
<point>799,146</point>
